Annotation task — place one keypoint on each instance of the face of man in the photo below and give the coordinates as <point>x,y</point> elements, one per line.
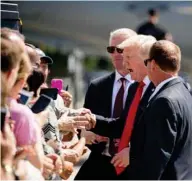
<point>134,63</point>
<point>117,58</point>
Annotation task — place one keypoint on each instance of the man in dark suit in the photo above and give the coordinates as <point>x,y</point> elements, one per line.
<point>161,146</point>
<point>113,127</point>
<point>101,99</point>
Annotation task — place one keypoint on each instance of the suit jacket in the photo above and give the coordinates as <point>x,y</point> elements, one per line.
<point>99,100</point>
<point>113,127</point>
<point>161,143</point>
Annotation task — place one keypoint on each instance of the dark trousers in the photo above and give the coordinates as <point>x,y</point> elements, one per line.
<point>97,167</point>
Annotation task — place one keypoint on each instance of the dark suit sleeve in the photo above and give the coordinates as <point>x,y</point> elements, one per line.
<point>109,127</point>
<point>113,127</point>
<point>104,125</point>
<point>89,97</point>
<point>160,137</point>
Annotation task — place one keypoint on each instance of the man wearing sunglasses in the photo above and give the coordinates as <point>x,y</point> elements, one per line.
<point>136,50</point>
<point>106,96</point>
<point>161,138</point>
<point>161,142</point>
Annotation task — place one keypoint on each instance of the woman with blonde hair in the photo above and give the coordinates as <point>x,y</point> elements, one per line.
<point>26,128</point>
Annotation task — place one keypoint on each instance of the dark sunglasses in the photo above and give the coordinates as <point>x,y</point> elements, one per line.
<point>147,60</point>
<point>111,49</point>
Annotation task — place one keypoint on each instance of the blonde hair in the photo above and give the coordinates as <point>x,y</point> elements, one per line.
<point>141,42</point>
<point>126,32</point>
<point>25,67</point>
<point>4,91</point>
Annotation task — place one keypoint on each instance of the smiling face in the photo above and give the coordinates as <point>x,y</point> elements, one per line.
<point>134,62</point>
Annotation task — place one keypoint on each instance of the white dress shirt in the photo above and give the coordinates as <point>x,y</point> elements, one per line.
<point>147,82</point>
<point>161,85</point>
<point>117,85</point>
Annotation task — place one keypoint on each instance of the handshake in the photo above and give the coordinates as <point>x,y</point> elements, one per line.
<point>83,119</point>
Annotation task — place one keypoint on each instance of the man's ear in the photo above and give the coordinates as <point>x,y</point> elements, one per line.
<point>153,65</point>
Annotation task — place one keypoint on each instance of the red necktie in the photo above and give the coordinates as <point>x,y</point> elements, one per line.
<point>126,136</point>
<point>118,108</point>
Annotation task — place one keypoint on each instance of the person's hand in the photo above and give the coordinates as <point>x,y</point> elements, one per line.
<point>57,161</point>
<point>121,159</point>
<point>71,123</point>
<point>92,138</point>
<point>8,144</point>
<point>101,138</point>
<point>67,97</point>
<point>48,166</point>
<point>67,170</point>
<point>42,117</point>
<point>70,144</point>
<point>87,118</point>
<point>53,143</point>
<point>89,136</point>
<point>70,155</point>
<point>23,152</point>
<point>83,111</point>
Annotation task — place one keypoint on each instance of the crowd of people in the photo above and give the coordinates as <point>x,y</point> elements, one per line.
<point>137,121</point>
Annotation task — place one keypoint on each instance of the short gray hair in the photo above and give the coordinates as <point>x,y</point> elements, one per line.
<point>141,42</point>
<point>126,32</point>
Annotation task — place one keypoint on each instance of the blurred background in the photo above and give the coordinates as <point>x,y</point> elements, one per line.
<point>76,34</point>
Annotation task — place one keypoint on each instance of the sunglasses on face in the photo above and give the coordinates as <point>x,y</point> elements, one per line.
<point>147,60</point>
<point>111,49</point>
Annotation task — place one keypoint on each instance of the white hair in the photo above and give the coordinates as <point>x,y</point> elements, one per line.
<point>140,42</point>
<point>126,32</point>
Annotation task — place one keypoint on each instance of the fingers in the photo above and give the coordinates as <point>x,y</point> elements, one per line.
<point>74,131</point>
<point>67,170</point>
<point>53,156</point>
<point>84,111</point>
<point>64,93</point>
<point>67,97</point>
<point>79,124</point>
<point>101,138</point>
<point>114,159</point>
<point>117,162</point>
<point>48,164</point>
<point>58,165</point>
<point>122,164</point>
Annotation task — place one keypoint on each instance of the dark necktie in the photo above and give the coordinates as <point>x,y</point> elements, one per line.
<point>126,135</point>
<point>118,108</point>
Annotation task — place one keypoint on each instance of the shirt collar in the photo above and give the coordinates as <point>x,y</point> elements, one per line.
<point>161,85</point>
<point>118,76</point>
<point>146,80</point>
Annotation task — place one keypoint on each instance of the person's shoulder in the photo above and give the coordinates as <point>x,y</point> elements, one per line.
<point>103,79</point>
<point>22,111</point>
<point>142,26</point>
<point>134,84</point>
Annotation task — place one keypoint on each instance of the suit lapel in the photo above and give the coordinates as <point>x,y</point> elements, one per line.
<point>165,86</point>
<point>168,84</point>
<point>144,102</point>
<point>109,92</point>
<point>147,94</point>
